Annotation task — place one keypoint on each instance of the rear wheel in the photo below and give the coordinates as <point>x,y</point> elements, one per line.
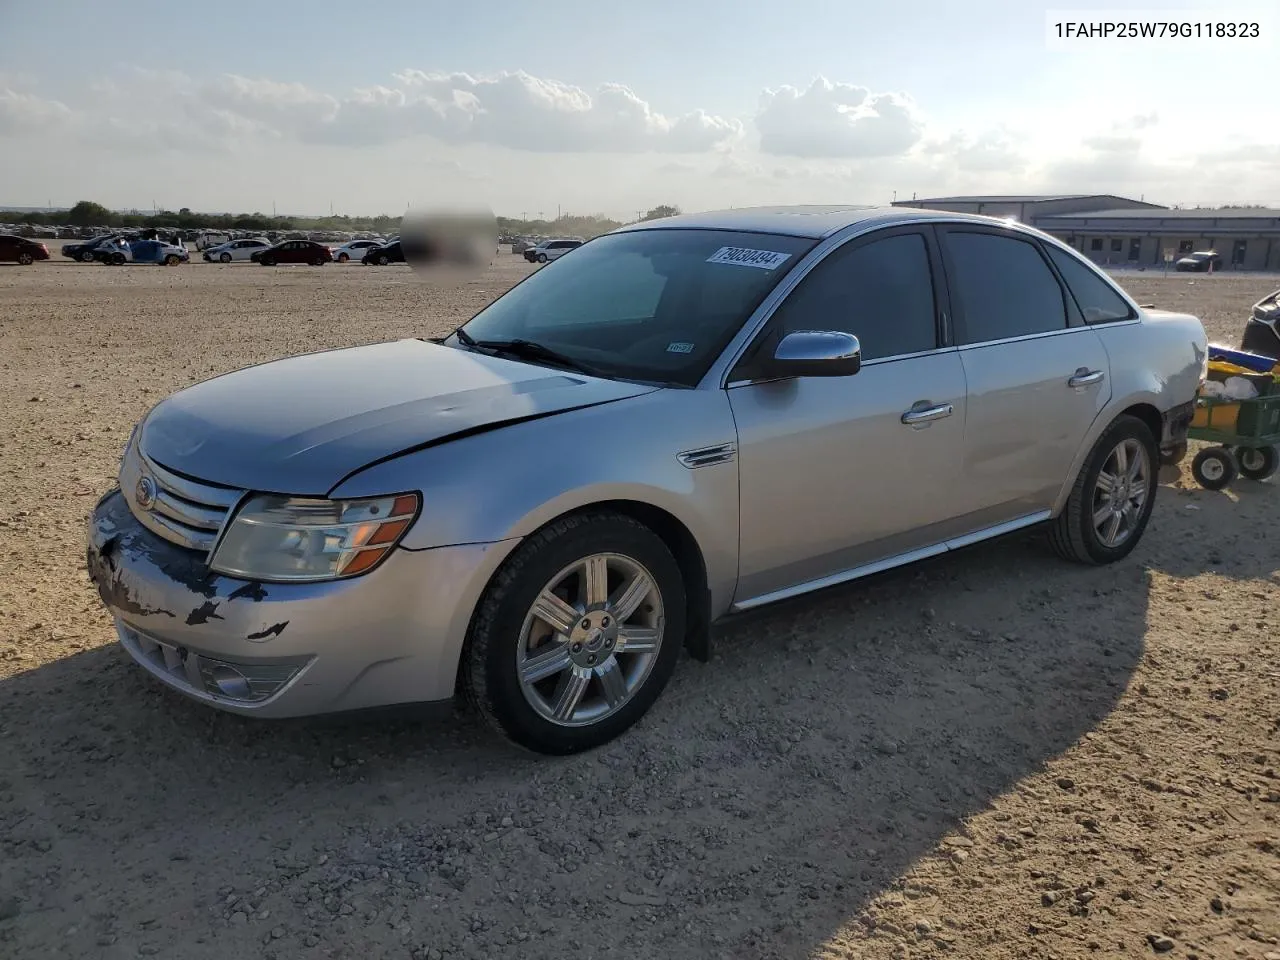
<point>26,259</point>
<point>1214,468</point>
<point>1111,501</point>
<point>1258,463</point>
<point>578,633</point>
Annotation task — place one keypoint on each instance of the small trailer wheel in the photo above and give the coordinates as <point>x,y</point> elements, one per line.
<point>1258,463</point>
<point>1214,468</point>
<point>1174,455</point>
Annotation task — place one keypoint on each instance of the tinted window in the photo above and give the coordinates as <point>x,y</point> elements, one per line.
<point>1003,287</point>
<point>630,290</point>
<point>881,292</point>
<point>1097,301</point>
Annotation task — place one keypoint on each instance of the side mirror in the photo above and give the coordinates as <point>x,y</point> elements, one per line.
<point>815,353</point>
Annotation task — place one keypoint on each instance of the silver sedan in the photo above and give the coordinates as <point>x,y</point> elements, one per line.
<point>685,419</point>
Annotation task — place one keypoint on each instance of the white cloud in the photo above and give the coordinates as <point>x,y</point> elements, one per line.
<point>836,120</point>
<point>28,113</point>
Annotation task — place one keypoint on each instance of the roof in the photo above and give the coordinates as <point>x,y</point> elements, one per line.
<point>811,221</point>
<point>1006,198</point>
<point>1164,214</point>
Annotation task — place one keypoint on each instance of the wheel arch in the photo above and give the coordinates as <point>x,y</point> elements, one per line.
<point>677,537</point>
<point>1142,407</point>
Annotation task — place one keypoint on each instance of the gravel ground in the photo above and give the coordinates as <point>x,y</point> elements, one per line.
<point>993,755</point>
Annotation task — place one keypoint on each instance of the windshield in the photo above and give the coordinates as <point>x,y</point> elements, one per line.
<point>653,305</point>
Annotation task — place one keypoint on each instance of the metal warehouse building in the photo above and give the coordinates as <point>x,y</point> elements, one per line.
<point>1121,232</point>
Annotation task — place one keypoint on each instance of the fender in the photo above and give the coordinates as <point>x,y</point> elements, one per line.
<point>1158,361</point>
<point>506,483</point>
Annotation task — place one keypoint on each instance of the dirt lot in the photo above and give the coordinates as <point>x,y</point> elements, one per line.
<point>995,755</point>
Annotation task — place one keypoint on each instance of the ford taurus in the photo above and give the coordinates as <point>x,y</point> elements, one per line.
<point>685,419</point>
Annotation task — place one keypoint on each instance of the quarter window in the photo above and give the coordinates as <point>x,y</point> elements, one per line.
<point>881,292</point>
<point>1003,287</point>
<point>1097,301</point>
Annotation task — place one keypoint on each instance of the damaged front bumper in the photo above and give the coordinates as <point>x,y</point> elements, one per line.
<point>283,649</point>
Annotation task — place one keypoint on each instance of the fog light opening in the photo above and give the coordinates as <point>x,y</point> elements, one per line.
<point>231,682</point>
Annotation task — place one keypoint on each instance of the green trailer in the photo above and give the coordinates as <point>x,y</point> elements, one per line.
<point>1246,438</point>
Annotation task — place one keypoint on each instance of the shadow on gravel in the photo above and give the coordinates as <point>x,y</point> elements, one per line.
<point>767,798</point>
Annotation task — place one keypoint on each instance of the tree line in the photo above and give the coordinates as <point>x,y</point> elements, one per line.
<point>87,213</point>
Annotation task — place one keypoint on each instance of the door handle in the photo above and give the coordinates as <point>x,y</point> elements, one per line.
<point>927,414</point>
<point>1085,377</point>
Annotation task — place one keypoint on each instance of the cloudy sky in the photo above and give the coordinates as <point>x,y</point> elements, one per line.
<point>611,108</point>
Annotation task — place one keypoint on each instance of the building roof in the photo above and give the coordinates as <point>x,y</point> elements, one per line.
<point>1004,198</point>
<point>1164,214</point>
<point>811,221</point>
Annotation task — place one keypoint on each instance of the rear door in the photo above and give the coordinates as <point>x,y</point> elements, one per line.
<point>1037,375</point>
<point>8,248</point>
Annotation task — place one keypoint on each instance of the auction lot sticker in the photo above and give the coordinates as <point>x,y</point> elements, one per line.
<point>746,257</point>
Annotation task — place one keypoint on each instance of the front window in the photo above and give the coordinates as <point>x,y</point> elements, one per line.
<point>655,305</point>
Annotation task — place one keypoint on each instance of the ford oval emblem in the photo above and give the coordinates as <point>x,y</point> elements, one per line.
<point>145,492</point>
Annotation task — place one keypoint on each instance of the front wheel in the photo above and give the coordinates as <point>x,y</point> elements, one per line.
<point>26,259</point>
<point>542,258</point>
<point>1258,463</point>
<point>224,258</point>
<point>578,633</point>
<point>343,258</point>
<point>1111,501</point>
<point>318,262</point>
<point>267,262</point>
<point>172,260</point>
<point>383,260</point>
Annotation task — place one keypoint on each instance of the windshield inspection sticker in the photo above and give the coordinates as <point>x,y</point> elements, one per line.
<point>679,347</point>
<point>746,257</point>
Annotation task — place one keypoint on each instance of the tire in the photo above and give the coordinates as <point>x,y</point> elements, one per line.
<point>85,256</point>
<point>1075,533</point>
<point>118,259</point>
<point>343,258</point>
<point>504,621</point>
<point>172,260</point>
<point>383,260</point>
<point>542,258</point>
<point>1258,463</point>
<point>267,262</point>
<point>1214,468</point>
<point>26,259</point>
<point>224,258</point>
<point>1174,455</point>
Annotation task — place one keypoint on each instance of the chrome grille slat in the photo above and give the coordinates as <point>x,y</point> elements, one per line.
<point>187,512</point>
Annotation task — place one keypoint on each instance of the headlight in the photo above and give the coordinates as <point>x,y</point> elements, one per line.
<point>293,538</point>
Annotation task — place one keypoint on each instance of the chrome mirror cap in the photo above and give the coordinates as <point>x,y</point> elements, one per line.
<point>817,353</point>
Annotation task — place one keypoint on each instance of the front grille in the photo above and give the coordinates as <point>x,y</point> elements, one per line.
<point>187,512</point>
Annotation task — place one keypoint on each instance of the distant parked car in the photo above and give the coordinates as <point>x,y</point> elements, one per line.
<point>550,250</point>
<point>235,250</point>
<point>120,252</point>
<point>84,251</point>
<point>21,250</point>
<point>355,250</point>
<point>207,240</point>
<point>387,253</point>
<point>293,251</point>
<point>1199,262</point>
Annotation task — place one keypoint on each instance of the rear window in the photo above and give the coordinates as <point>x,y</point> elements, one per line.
<point>1097,301</point>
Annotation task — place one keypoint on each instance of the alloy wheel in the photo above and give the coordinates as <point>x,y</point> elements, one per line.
<point>590,639</point>
<point>1120,492</point>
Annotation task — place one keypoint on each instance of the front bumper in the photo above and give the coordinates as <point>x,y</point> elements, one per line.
<point>287,650</point>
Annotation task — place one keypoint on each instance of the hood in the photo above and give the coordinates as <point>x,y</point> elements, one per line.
<point>302,424</point>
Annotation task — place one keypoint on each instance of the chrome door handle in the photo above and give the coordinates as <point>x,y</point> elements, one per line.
<point>1084,377</point>
<point>927,414</point>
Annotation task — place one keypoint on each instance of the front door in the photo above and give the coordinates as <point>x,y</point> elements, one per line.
<point>1037,375</point>
<point>840,472</point>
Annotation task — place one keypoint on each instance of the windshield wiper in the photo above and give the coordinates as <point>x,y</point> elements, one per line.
<point>531,350</point>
